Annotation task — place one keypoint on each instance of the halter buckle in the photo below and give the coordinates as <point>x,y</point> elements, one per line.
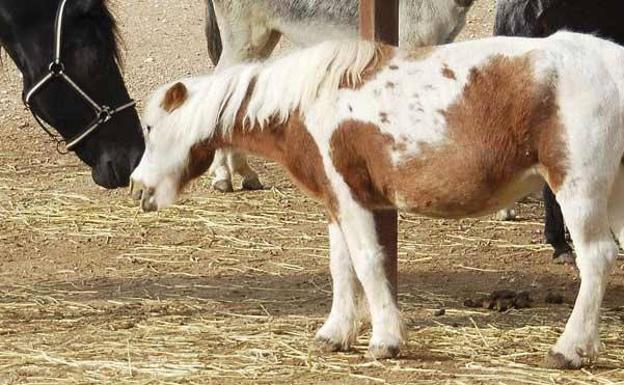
<point>105,114</point>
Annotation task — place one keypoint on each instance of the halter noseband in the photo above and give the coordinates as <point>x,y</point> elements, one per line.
<point>56,70</point>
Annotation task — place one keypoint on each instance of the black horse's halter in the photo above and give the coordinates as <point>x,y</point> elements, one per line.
<point>56,70</point>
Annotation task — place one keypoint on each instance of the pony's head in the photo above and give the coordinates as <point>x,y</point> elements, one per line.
<point>173,154</point>
<point>89,54</point>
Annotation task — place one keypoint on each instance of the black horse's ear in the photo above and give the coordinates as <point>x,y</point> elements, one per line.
<point>85,6</point>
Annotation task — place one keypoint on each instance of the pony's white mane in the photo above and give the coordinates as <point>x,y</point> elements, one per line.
<point>278,87</point>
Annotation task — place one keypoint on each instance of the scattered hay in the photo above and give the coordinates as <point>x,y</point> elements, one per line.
<point>210,345</point>
<point>231,288</point>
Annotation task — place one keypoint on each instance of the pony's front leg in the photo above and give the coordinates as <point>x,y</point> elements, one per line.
<point>368,258</point>
<point>340,330</point>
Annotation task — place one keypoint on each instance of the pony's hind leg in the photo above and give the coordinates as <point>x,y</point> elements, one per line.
<point>585,211</point>
<point>340,330</point>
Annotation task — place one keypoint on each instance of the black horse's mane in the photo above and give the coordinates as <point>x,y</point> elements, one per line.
<point>107,29</point>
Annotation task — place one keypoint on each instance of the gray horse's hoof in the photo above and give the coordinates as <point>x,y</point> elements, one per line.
<point>566,258</point>
<point>506,215</point>
<point>224,186</point>
<point>252,184</point>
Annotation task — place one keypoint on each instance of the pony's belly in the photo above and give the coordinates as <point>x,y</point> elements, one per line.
<point>464,197</point>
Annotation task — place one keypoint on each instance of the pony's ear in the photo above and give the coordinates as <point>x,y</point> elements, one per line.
<point>174,97</point>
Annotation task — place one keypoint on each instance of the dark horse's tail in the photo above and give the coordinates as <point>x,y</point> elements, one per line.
<point>213,35</point>
<point>464,3</point>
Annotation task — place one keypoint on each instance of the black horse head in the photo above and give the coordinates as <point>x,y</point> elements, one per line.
<point>89,54</point>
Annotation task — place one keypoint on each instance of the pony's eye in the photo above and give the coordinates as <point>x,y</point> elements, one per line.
<point>148,129</point>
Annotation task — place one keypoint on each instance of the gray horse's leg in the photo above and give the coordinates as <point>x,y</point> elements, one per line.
<point>244,36</point>
<point>238,161</point>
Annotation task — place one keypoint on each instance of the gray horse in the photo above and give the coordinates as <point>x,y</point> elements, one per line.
<point>243,30</point>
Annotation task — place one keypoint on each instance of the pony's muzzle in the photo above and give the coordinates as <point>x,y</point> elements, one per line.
<point>148,203</point>
<point>138,191</point>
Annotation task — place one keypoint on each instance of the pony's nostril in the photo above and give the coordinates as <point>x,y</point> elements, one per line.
<point>136,190</point>
<point>148,203</point>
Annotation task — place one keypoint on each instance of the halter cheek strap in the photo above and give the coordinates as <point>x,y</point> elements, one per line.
<point>56,70</point>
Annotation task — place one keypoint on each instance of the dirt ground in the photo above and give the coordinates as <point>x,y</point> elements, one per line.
<point>228,289</point>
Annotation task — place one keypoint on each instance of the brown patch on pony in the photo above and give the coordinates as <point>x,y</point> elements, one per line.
<point>504,124</point>
<point>381,58</point>
<point>289,144</point>
<point>553,157</point>
<point>292,146</point>
<point>448,73</point>
<point>357,151</point>
<point>512,113</point>
<point>199,160</point>
<point>175,96</point>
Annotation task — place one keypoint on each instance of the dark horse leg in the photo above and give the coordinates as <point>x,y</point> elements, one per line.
<point>554,229</point>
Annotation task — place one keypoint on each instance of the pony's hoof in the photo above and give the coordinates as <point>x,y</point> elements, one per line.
<point>555,360</point>
<point>327,345</point>
<point>380,352</point>
<point>252,184</point>
<point>565,258</point>
<point>224,186</point>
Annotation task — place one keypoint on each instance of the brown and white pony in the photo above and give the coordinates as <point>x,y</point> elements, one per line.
<point>246,30</point>
<point>455,131</point>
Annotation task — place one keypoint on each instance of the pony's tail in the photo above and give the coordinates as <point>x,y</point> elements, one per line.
<point>213,35</point>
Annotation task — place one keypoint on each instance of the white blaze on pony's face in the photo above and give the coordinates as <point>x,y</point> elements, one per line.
<point>163,169</point>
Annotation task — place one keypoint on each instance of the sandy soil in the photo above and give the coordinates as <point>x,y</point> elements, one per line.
<point>227,289</point>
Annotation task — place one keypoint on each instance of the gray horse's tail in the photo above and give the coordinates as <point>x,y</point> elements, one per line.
<point>213,35</point>
<point>464,3</point>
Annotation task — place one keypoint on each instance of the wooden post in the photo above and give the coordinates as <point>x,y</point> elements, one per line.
<point>379,20</point>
